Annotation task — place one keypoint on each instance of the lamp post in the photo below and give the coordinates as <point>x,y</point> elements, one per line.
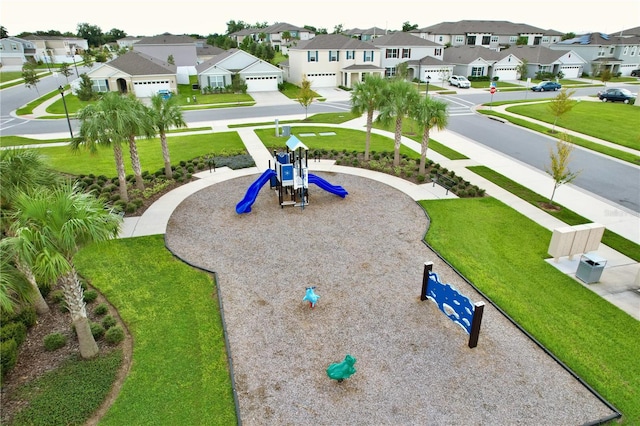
<point>73,57</point>
<point>428,80</point>
<point>66,112</point>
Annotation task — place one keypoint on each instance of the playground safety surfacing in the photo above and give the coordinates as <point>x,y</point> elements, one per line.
<point>365,256</point>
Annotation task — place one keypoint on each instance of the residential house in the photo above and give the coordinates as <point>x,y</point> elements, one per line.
<point>274,34</point>
<point>58,49</point>
<point>478,61</point>
<point>181,48</point>
<point>207,52</point>
<point>15,52</point>
<point>128,42</point>
<point>331,60</point>
<point>134,72</point>
<point>490,34</point>
<point>366,35</point>
<point>259,75</point>
<point>423,57</point>
<point>618,54</point>
<point>544,59</point>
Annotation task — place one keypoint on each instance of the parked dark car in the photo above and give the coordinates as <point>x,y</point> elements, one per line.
<point>546,86</point>
<point>616,95</point>
<point>635,73</point>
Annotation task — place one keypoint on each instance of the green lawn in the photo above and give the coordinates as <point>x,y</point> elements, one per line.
<point>291,91</point>
<point>179,374</point>
<point>611,239</point>
<point>347,139</point>
<point>182,148</point>
<point>502,253</point>
<point>592,118</point>
<point>6,76</point>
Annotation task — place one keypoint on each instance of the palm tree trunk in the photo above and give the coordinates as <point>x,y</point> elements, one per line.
<point>165,154</point>
<point>367,144</point>
<point>396,151</point>
<point>122,178</point>
<point>38,301</point>
<point>74,297</point>
<point>423,151</point>
<point>135,163</point>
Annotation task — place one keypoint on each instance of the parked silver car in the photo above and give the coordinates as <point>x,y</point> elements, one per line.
<point>459,81</point>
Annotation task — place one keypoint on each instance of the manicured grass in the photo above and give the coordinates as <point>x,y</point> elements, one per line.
<point>19,141</point>
<point>323,117</point>
<point>70,394</point>
<point>6,76</point>
<point>73,104</point>
<point>594,119</point>
<point>291,91</point>
<point>413,131</point>
<point>182,148</point>
<point>501,252</point>
<point>179,374</point>
<point>28,109</point>
<point>344,139</point>
<point>594,146</point>
<point>611,239</point>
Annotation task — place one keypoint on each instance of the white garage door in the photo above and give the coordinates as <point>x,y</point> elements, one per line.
<point>261,84</point>
<point>572,71</point>
<point>146,89</point>
<point>323,80</point>
<point>506,73</point>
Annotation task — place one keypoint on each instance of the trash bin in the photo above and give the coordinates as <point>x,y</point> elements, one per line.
<point>590,268</point>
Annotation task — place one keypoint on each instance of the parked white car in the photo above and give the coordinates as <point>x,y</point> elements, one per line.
<point>459,81</point>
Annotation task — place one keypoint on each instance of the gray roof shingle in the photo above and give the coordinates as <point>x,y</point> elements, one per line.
<point>136,63</point>
<point>332,41</point>
<point>167,39</point>
<point>473,26</point>
<point>402,39</point>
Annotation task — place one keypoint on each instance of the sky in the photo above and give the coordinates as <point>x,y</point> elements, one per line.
<point>204,17</point>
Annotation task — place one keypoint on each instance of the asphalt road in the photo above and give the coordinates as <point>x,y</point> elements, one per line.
<point>608,178</point>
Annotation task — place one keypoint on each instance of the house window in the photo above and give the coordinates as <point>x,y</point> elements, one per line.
<point>437,52</point>
<point>494,39</point>
<point>486,40</point>
<point>611,50</point>
<point>406,53</point>
<point>440,39</point>
<point>391,53</point>
<point>625,51</point>
<point>14,46</point>
<point>368,56</point>
<point>334,56</point>
<point>351,54</point>
<point>633,50</point>
<point>390,72</point>
<point>471,40</point>
<point>601,53</point>
<point>545,40</point>
<point>477,71</point>
<point>100,85</point>
<point>459,39</point>
<point>216,81</point>
<point>513,39</point>
<point>312,56</point>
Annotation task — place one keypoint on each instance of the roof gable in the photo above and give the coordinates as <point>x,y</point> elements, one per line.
<point>403,39</point>
<point>136,63</point>
<point>332,41</point>
<point>477,26</point>
<point>166,39</point>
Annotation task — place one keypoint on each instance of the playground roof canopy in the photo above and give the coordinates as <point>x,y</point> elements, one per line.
<point>294,143</point>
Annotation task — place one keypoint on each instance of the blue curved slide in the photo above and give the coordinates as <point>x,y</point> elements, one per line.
<point>334,189</point>
<point>244,206</point>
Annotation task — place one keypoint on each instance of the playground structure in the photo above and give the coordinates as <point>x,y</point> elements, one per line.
<point>290,177</point>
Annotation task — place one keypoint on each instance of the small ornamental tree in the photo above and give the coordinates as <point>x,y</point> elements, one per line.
<point>560,105</point>
<point>65,70</point>
<point>305,95</point>
<point>85,91</point>
<point>559,167</point>
<point>170,60</point>
<point>30,76</point>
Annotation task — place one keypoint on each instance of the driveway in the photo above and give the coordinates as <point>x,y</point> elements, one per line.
<point>270,98</point>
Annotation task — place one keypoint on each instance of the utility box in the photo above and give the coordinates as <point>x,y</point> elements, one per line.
<point>286,131</point>
<point>590,268</point>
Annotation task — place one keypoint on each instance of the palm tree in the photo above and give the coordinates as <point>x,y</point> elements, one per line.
<point>15,290</point>
<point>50,227</point>
<point>166,113</point>
<point>21,171</point>
<point>111,121</point>
<point>399,98</point>
<point>429,113</point>
<point>368,96</point>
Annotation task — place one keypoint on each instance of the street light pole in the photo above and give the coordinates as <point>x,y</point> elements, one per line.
<point>66,112</point>
<point>428,79</point>
<point>73,57</point>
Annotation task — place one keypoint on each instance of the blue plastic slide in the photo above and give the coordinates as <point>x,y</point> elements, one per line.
<point>334,189</point>
<point>244,206</point>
